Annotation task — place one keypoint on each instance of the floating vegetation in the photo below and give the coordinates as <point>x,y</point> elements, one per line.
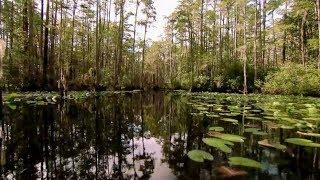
<point>219,144</point>
<point>240,161</point>
<point>267,143</point>
<point>228,137</point>
<point>211,115</point>
<point>199,156</point>
<point>251,130</point>
<point>302,142</point>
<point>216,128</point>
<point>310,134</point>
<point>234,121</point>
<point>228,172</point>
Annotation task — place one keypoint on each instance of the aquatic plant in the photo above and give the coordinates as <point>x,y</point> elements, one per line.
<point>199,156</point>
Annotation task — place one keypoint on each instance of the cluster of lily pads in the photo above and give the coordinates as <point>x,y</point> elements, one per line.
<point>298,115</point>
<point>41,98</point>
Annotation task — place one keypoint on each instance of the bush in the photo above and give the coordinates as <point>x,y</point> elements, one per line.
<point>294,79</point>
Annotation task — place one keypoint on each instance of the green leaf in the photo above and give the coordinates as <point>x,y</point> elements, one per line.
<point>216,128</point>
<point>229,137</point>
<point>219,144</point>
<point>12,106</point>
<point>302,142</point>
<point>199,156</point>
<point>234,121</point>
<point>269,144</point>
<point>240,161</point>
<point>251,130</point>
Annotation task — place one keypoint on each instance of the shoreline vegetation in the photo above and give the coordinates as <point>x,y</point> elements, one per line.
<point>267,46</point>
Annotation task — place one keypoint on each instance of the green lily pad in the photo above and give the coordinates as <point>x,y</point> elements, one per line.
<point>269,144</point>
<point>260,133</point>
<point>228,137</point>
<point>240,161</point>
<point>286,127</point>
<point>253,118</point>
<point>199,156</point>
<point>309,134</point>
<point>217,129</point>
<point>234,121</point>
<point>210,115</point>
<point>251,130</point>
<point>302,142</point>
<point>219,144</point>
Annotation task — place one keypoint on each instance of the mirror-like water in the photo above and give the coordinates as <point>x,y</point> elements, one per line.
<point>142,136</point>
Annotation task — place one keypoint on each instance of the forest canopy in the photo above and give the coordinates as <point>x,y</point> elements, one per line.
<point>208,45</point>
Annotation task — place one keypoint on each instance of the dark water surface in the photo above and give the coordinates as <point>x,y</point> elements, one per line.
<point>147,136</point>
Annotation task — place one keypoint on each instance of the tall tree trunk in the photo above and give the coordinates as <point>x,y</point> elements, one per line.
<point>255,56</point>
<point>72,65</point>
<point>52,75</point>
<point>97,84</point>
<point>318,13</point>
<point>134,37</point>
<point>302,38</point>
<point>264,17</point>
<point>245,87</point>
<point>41,29</point>
<point>117,74</point>
<point>143,57</point>
<point>284,45</point>
<point>46,50</point>
<point>1,20</point>
<point>201,25</point>
<point>236,32</point>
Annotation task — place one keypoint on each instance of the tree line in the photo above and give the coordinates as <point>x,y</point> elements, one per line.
<point>217,45</point>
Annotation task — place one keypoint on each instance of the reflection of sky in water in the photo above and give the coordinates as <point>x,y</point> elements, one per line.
<point>77,139</point>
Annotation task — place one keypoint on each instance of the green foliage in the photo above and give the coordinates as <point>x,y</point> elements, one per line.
<point>199,156</point>
<point>294,79</point>
<point>220,144</point>
<point>302,142</point>
<point>240,161</point>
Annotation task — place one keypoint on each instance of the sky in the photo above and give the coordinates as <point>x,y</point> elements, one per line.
<point>163,8</point>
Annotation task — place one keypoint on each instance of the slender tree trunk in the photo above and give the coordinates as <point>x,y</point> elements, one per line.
<point>97,84</point>
<point>255,41</point>
<point>284,45</point>
<point>245,87</point>
<point>134,36</point>
<point>41,29</point>
<point>143,56</point>
<point>201,26</point>
<point>46,50</point>
<point>72,65</point>
<point>318,13</point>
<point>302,38</point>
<point>52,75</point>
<point>264,17</point>
<point>117,85</point>
<point>1,20</point>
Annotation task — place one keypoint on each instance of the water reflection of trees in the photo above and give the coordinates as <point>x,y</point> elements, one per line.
<point>103,137</point>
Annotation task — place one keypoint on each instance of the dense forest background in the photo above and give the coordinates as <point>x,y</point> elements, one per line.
<point>208,45</point>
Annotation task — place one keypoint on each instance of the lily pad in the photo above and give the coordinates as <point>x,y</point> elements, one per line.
<point>251,130</point>
<point>240,161</point>
<point>199,156</point>
<point>216,128</point>
<point>219,144</point>
<point>309,134</point>
<point>269,144</point>
<point>302,142</point>
<point>234,121</point>
<point>260,133</point>
<point>228,137</point>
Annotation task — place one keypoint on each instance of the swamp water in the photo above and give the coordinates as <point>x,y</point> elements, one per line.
<point>160,136</point>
